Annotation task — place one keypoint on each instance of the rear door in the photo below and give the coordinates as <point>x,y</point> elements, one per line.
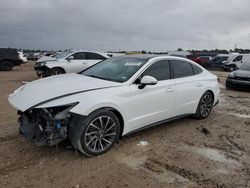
<point>188,85</point>
<point>93,58</point>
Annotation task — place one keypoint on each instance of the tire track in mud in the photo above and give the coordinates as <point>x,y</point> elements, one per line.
<point>231,143</point>
<point>185,176</point>
<point>16,167</point>
<point>8,138</point>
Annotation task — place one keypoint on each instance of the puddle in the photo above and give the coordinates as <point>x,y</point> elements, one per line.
<point>240,115</point>
<point>221,171</point>
<point>222,86</point>
<point>215,155</point>
<point>168,177</point>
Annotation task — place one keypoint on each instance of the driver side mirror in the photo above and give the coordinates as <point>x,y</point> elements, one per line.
<point>70,58</point>
<point>147,80</point>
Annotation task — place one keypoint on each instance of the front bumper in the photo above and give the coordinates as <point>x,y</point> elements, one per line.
<point>238,84</point>
<point>40,130</point>
<point>42,71</point>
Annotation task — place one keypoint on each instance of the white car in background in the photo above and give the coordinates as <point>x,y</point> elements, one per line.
<point>69,62</point>
<point>113,98</point>
<point>22,57</point>
<point>236,61</point>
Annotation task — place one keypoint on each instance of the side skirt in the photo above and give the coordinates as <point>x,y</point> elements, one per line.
<point>157,124</point>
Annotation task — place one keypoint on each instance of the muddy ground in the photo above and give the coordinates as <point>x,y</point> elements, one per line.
<point>177,154</point>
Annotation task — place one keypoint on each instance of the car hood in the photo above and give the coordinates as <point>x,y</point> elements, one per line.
<point>46,58</point>
<point>242,73</point>
<point>36,92</point>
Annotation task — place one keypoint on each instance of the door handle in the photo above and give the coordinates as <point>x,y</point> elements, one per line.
<point>199,84</point>
<point>168,90</point>
<point>84,63</point>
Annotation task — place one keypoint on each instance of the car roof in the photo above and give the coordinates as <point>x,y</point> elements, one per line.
<point>140,56</point>
<point>101,53</point>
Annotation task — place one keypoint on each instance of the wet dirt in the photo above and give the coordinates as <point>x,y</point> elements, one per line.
<point>177,154</point>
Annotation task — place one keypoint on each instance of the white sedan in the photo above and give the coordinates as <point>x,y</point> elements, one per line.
<point>115,97</point>
<point>68,62</point>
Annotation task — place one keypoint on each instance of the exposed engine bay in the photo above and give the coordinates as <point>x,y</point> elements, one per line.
<point>45,126</point>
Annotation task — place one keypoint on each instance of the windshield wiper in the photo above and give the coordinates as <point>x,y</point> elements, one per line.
<point>93,76</point>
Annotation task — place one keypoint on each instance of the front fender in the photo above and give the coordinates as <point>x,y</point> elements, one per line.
<point>93,100</point>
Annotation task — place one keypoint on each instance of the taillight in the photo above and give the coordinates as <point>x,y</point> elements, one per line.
<point>218,79</point>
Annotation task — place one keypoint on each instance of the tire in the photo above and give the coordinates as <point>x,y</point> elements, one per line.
<point>231,68</point>
<point>96,138</point>
<point>6,65</point>
<point>56,71</point>
<point>205,105</point>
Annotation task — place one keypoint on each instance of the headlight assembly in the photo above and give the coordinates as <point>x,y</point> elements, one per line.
<point>232,75</point>
<point>59,112</point>
<point>43,63</point>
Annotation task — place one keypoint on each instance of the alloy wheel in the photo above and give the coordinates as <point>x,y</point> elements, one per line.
<point>56,72</point>
<point>100,134</point>
<point>206,105</point>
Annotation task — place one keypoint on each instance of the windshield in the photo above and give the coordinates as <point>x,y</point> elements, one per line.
<point>62,55</point>
<point>231,58</point>
<point>117,69</point>
<point>245,66</point>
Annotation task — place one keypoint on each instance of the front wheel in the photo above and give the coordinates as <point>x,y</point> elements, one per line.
<point>232,68</point>
<point>56,71</point>
<point>205,105</point>
<point>6,65</point>
<point>100,131</point>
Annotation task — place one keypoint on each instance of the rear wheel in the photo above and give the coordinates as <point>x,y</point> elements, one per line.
<point>56,71</point>
<point>6,65</point>
<point>100,131</point>
<point>205,105</point>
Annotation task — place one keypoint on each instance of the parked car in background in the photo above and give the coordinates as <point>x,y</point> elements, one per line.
<point>8,59</point>
<point>191,57</point>
<point>204,61</point>
<point>240,78</point>
<point>22,57</point>
<point>32,56</point>
<point>236,61</point>
<point>113,98</point>
<point>69,62</point>
<point>47,57</point>
<point>217,61</point>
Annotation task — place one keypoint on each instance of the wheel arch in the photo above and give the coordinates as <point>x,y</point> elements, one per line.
<point>58,68</point>
<point>118,115</point>
<point>209,90</point>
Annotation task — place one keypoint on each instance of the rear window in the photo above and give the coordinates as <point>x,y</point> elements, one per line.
<point>94,56</point>
<point>197,70</point>
<point>181,69</point>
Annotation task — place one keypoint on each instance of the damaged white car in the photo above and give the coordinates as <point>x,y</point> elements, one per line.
<point>113,98</point>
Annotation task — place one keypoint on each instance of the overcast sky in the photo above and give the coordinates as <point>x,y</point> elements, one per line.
<point>156,25</point>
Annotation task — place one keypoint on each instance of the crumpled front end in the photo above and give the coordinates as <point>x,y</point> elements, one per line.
<point>45,126</point>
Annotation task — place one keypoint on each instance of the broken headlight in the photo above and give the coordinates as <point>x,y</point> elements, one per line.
<point>59,112</point>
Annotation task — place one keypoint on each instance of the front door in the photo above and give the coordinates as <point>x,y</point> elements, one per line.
<point>153,103</point>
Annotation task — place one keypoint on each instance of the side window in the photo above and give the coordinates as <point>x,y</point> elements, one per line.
<point>238,58</point>
<point>197,70</point>
<point>94,56</point>
<point>182,69</point>
<point>224,58</point>
<point>79,55</point>
<point>159,70</point>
